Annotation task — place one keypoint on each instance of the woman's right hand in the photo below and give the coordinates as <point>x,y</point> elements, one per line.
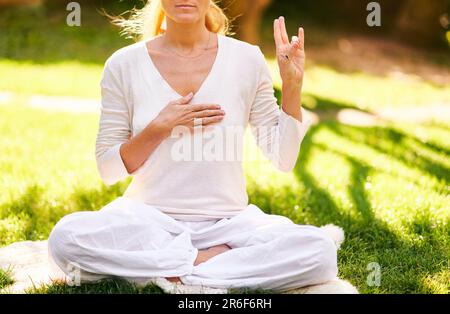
<point>180,113</point>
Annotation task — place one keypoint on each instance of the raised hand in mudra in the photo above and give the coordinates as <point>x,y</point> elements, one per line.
<point>290,53</point>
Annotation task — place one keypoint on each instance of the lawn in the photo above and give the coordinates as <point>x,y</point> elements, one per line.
<point>387,185</point>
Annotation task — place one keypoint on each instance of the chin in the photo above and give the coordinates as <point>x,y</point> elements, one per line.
<point>185,18</point>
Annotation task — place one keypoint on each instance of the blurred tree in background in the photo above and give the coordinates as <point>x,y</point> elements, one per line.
<point>423,21</point>
<point>246,16</point>
<point>419,22</point>
<point>19,2</point>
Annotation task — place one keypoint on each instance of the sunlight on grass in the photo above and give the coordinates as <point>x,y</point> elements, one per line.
<point>438,283</point>
<point>367,91</point>
<point>48,169</point>
<point>359,90</point>
<point>63,78</point>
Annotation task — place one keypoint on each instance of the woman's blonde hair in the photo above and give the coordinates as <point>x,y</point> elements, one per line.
<point>148,22</point>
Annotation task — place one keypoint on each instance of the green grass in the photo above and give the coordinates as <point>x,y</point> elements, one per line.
<point>5,278</point>
<point>113,285</point>
<point>387,186</point>
<point>64,78</point>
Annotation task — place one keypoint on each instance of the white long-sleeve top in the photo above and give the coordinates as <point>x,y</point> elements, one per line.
<point>197,188</point>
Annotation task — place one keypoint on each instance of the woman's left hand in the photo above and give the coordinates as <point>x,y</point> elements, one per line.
<point>290,55</point>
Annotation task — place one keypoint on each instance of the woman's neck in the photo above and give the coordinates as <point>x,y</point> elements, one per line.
<point>186,36</point>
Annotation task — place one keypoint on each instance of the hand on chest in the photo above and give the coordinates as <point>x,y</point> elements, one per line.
<point>212,77</point>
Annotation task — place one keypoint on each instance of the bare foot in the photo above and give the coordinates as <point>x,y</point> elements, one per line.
<point>204,255</point>
<point>174,279</point>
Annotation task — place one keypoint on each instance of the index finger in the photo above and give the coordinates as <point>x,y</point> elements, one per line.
<point>277,33</point>
<point>284,35</point>
<point>200,107</point>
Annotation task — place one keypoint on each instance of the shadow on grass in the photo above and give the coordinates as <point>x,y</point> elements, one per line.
<point>404,264</point>
<point>397,146</point>
<point>33,216</point>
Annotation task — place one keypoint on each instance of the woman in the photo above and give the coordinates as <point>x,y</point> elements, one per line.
<point>188,219</point>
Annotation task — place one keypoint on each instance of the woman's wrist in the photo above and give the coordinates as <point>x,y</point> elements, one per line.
<point>291,86</point>
<point>156,130</point>
<point>291,99</point>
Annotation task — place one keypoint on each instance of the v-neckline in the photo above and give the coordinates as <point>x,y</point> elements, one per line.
<point>206,80</point>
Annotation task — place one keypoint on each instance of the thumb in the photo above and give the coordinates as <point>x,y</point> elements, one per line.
<point>185,99</point>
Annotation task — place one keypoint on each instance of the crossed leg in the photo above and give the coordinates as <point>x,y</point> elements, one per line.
<point>136,241</point>
<point>268,251</point>
<point>125,239</point>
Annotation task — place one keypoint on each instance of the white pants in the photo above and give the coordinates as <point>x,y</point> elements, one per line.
<point>133,240</point>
